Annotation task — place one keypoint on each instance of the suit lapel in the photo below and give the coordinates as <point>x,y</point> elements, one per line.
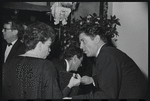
<point>13,51</point>
<point>95,67</point>
<point>103,47</point>
<point>63,65</point>
<point>4,45</point>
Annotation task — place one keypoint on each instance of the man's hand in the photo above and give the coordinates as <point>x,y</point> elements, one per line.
<point>74,81</point>
<point>87,80</point>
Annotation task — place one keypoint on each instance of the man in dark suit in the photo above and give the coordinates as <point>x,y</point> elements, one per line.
<point>115,75</point>
<point>67,66</point>
<point>86,69</point>
<point>12,46</point>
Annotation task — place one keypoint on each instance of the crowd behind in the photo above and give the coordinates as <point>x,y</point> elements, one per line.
<point>94,70</point>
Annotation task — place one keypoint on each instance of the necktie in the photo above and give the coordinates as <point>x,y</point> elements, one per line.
<point>9,44</point>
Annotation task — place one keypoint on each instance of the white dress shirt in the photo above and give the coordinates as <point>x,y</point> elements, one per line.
<point>8,48</point>
<point>67,69</point>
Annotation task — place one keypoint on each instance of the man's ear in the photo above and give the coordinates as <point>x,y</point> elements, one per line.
<point>15,32</point>
<point>97,38</point>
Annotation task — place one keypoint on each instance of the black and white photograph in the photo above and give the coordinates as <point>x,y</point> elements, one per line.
<point>74,50</point>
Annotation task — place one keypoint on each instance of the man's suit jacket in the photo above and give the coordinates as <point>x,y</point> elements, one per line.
<point>17,49</point>
<point>64,77</point>
<point>86,70</point>
<point>116,76</point>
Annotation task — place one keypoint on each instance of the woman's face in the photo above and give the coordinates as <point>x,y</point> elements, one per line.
<point>45,48</point>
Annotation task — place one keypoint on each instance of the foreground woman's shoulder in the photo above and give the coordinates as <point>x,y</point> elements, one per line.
<point>48,63</point>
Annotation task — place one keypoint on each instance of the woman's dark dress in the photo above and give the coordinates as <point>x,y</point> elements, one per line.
<point>30,78</point>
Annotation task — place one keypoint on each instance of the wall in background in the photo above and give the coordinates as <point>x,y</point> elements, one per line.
<point>86,8</point>
<point>133,32</point>
<point>83,10</point>
<point>38,3</point>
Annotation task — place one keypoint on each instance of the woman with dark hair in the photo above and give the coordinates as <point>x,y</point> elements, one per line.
<point>30,75</point>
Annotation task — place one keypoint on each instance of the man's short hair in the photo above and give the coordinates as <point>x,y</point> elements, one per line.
<point>72,51</point>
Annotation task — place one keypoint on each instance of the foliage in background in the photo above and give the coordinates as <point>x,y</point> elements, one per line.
<point>69,34</point>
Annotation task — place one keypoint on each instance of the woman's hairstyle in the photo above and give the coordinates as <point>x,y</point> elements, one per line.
<point>36,32</point>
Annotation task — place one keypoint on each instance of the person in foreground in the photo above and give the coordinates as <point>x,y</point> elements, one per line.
<point>67,66</point>
<point>115,75</point>
<point>30,75</point>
